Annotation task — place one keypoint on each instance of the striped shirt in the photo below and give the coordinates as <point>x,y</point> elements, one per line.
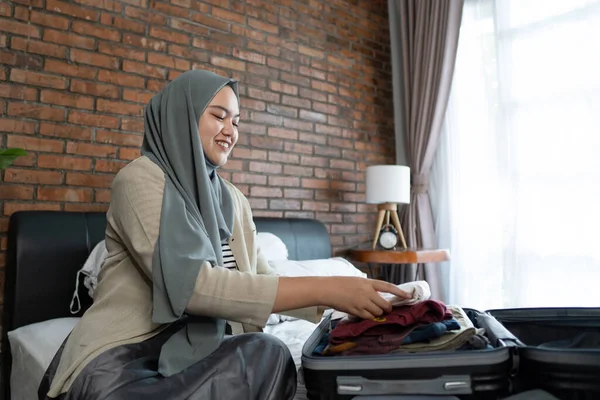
<point>228,259</point>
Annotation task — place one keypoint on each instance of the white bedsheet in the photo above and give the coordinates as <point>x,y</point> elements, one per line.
<point>33,347</point>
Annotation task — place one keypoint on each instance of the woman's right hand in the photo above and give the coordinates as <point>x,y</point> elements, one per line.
<point>359,296</point>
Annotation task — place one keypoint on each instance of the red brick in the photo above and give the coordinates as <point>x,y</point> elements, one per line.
<point>72,10</point>
<point>3,42</point>
<point>69,39</point>
<point>120,79</point>
<point>102,196</point>
<point>64,194</point>
<point>113,49</point>
<point>37,79</point>
<point>263,26</point>
<point>128,153</point>
<point>132,125</point>
<point>35,144</point>
<point>211,46</point>
<point>20,28</point>
<point>147,16</point>
<point>121,139</point>
<point>33,46</point>
<point>32,176</point>
<point>284,204</point>
<point>228,63</point>
<point>118,107</point>
<point>259,191</point>
<point>101,32</point>
<point>108,5</point>
<point>255,166</point>
<point>65,131</point>
<point>94,89</point>
<point>209,21</point>
<point>169,36</point>
<point>88,149</point>
<point>99,60</point>
<point>63,68</point>
<point>315,183</point>
<point>252,179</point>
<point>5,9</point>
<point>18,92</point>
<point>53,21</point>
<point>89,180</point>
<point>35,111</point>
<point>16,192</point>
<point>10,208</point>
<point>128,25</point>
<point>144,69</point>
<point>109,166</point>
<point>26,161</point>
<point>60,161</point>
<point>20,60</point>
<point>284,158</point>
<point>193,28</point>
<point>283,133</point>
<point>311,52</point>
<point>81,118</point>
<point>16,125</point>
<point>228,15</point>
<point>279,64</point>
<point>266,118</point>
<point>251,154</point>
<point>85,207</point>
<point>169,62</point>
<point>168,9</point>
<point>155,85</point>
<point>144,42</point>
<point>66,99</point>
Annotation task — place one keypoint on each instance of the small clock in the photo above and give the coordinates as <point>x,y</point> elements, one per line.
<point>388,237</point>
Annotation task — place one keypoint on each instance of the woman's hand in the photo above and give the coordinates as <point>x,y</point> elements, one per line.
<point>353,295</point>
<point>359,296</point>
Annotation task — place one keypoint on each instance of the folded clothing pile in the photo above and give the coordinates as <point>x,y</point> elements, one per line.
<point>418,324</point>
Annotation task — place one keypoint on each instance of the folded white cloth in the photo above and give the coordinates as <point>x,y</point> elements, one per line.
<point>420,292</point>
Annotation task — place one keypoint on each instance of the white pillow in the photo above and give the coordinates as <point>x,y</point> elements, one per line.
<point>271,246</point>
<point>335,266</point>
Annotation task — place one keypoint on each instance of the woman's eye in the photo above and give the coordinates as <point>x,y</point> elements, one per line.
<point>219,117</point>
<point>235,124</point>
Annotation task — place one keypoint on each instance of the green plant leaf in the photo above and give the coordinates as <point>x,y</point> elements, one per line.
<point>7,156</point>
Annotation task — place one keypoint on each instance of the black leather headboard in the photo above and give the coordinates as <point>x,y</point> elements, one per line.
<point>47,248</point>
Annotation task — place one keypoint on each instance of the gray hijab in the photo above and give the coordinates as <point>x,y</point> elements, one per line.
<point>197,214</point>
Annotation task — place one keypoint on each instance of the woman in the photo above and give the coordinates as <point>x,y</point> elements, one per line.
<point>158,324</point>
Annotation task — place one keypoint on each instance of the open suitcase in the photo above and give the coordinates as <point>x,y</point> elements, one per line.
<point>515,364</point>
<point>473,374</point>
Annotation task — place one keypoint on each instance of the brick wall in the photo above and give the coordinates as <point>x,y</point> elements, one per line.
<point>315,87</point>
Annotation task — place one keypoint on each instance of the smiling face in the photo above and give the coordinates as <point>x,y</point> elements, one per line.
<point>218,126</point>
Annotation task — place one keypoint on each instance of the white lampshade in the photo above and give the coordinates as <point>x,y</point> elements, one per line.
<point>388,184</point>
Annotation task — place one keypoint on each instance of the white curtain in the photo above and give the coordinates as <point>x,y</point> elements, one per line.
<point>516,182</point>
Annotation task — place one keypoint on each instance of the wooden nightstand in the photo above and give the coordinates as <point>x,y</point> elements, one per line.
<point>389,259</point>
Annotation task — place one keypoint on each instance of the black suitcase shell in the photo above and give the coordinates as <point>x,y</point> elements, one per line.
<point>567,373</point>
<point>472,374</point>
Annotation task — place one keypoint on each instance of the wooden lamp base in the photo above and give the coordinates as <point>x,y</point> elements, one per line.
<point>385,211</point>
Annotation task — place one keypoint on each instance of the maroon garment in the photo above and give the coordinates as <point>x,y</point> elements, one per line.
<point>399,322</point>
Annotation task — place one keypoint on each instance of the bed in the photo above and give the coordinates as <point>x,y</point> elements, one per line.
<point>45,251</point>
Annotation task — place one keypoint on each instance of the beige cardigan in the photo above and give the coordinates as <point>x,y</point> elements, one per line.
<point>122,308</point>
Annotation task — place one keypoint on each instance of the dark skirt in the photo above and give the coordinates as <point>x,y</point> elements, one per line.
<point>248,366</point>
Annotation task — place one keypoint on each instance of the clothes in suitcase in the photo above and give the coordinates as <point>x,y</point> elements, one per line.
<point>459,373</point>
<point>561,350</point>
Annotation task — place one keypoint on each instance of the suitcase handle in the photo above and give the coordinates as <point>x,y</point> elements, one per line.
<point>444,385</point>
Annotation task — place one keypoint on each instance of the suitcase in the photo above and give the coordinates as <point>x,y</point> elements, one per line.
<point>544,363</point>
<point>472,374</point>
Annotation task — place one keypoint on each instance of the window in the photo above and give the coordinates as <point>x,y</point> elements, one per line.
<point>518,168</point>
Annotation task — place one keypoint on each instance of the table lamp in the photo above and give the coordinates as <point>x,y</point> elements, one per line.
<point>388,185</point>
